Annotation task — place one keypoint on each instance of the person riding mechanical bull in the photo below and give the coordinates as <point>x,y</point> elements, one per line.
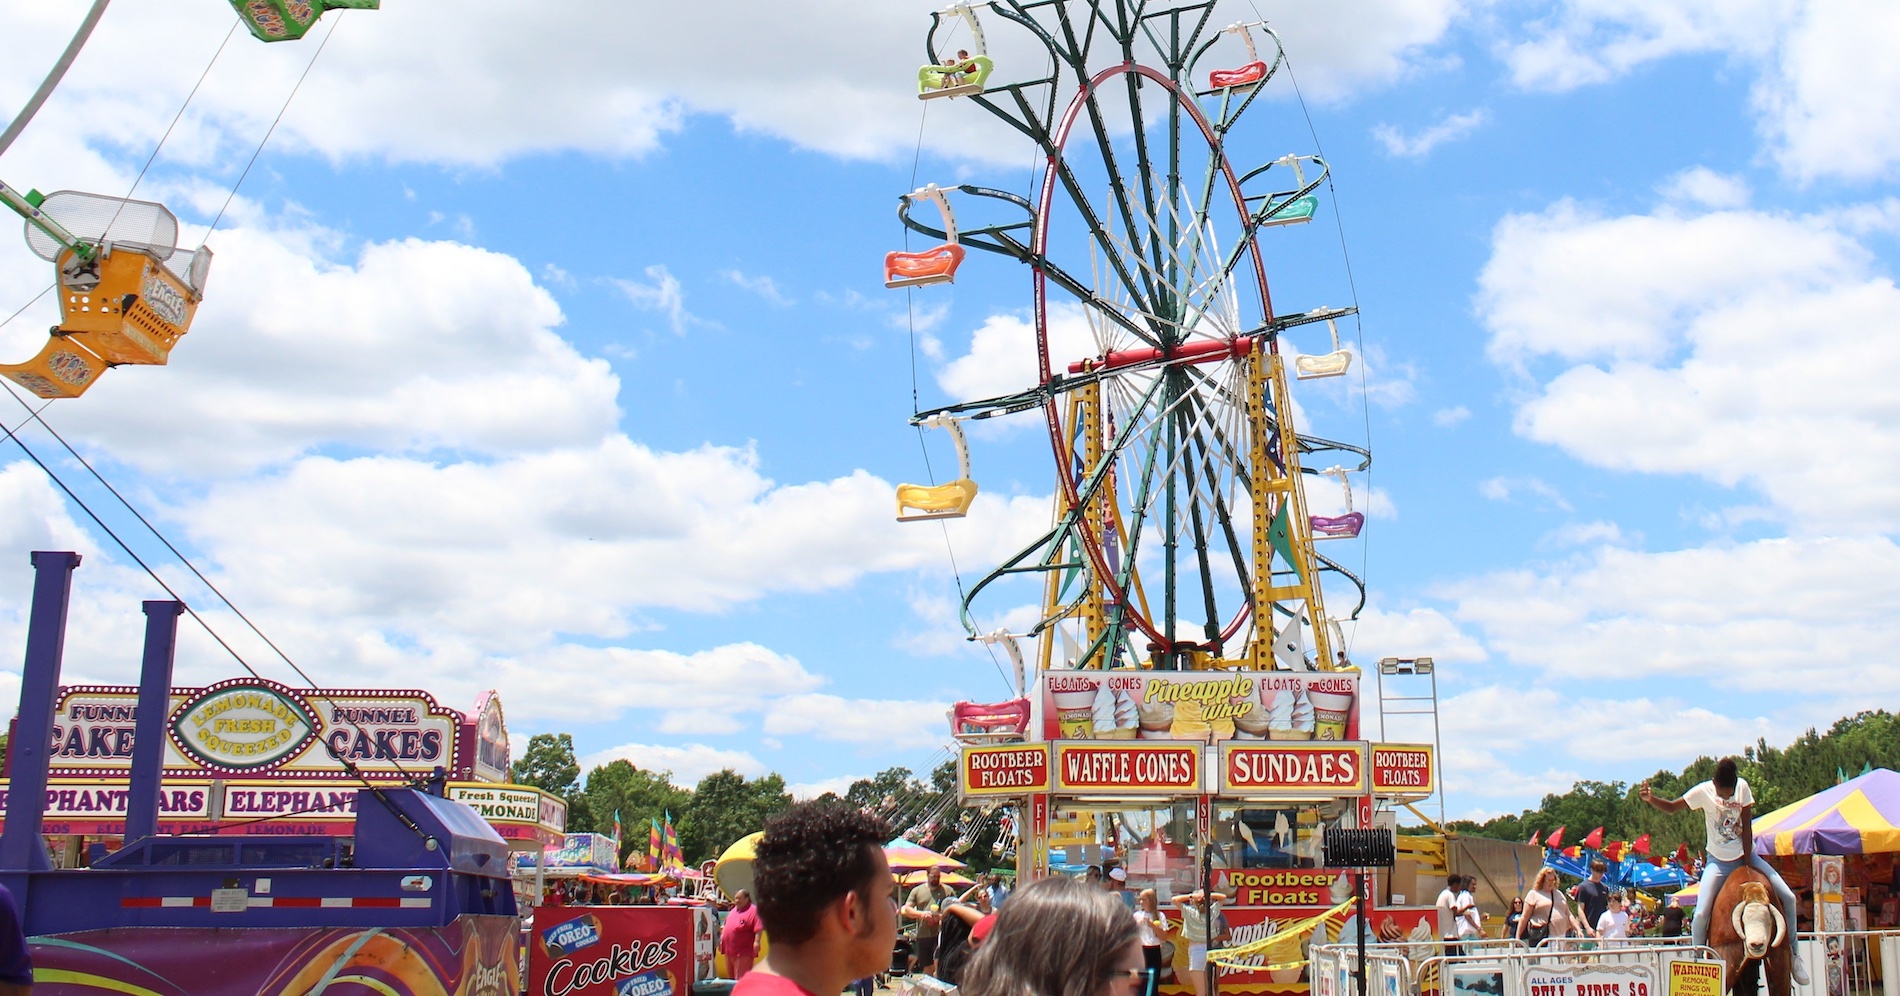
<point>1728,809</point>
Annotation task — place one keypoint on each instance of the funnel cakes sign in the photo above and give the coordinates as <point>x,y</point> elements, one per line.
<point>251,727</point>
<point>1200,705</point>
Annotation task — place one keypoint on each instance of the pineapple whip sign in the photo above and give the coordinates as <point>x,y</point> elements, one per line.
<point>1199,705</point>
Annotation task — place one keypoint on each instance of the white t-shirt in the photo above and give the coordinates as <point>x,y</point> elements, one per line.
<point>1447,914</point>
<point>1145,927</point>
<point>1468,923</point>
<point>1722,816</point>
<point>1614,925</point>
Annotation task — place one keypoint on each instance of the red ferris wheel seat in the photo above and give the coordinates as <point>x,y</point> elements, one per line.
<point>998,722</point>
<point>1251,73</point>
<point>918,269</point>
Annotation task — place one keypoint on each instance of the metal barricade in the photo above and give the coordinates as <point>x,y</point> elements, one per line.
<point>1637,968</point>
<point>1850,962</point>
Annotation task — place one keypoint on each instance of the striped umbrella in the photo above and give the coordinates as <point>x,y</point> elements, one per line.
<point>906,856</point>
<point>1859,816</point>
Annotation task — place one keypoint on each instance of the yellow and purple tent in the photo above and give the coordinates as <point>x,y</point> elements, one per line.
<point>1858,816</point>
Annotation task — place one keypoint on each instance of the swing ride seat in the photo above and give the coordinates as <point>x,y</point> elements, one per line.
<point>995,723</point>
<point>1346,526</point>
<point>63,369</point>
<point>1247,75</point>
<point>919,269</point>
<point>955,80</point>
<point>940,501</point>
<point>1314,367</point>
<point>1298,212</point>
<point>289,20</point>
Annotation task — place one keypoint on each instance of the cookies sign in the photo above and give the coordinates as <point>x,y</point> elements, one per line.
<point>1199,705</point>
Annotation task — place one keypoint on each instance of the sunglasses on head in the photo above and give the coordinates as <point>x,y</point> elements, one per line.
<point>1147,979</point>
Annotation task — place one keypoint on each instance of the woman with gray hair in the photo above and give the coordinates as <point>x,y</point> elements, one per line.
<point>1060,937</point>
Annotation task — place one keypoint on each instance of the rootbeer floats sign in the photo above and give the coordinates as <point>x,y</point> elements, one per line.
<point>246,727</point>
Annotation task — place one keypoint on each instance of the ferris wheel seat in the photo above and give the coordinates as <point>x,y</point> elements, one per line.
<point>962,77</point>
<point>1294,212</point>
<point>1314,367</point>
<point>1337,526</point>
<point>289,20</point>
<point>127,305</point>
<point>998,722</point>
<point>1247,75</point>
<point>920,269</point>
<point>939,501</point>
<point>63,369</point>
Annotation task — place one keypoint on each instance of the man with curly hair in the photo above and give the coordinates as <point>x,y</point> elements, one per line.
<point>823,892</point>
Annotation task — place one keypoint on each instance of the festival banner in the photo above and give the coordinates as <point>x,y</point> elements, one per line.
<point>1293,771</point>
<point>620,950</point>
<point>1403,770</point>
<point>1199,705</point>
<point>1004,770</point>
<point>1589,979</point>
<point>1127,770</point>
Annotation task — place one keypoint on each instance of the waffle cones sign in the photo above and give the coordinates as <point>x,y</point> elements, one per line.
<point>1128,769</point>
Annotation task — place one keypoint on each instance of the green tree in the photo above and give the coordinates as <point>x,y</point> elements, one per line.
<point>725,806</point>
<point>637,795</point>
<point>549,765</point>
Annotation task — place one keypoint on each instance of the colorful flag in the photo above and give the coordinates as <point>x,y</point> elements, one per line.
<point>616,826</point>
<point>1533,840</point>
<point>653,843</point>
<point>670,852</point>
<point>1594,840</point>
<point>1641,845</point>
<point>1556,839</point>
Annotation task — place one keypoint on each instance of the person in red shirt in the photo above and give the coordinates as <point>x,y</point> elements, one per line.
<point>823,892</point>
<point>739,938</point>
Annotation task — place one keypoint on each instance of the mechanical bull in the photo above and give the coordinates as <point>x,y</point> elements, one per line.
<point>1748,929</point>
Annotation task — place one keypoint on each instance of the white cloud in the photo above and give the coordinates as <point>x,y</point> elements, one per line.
<point>868,722</point>
<point>1002,356</point>
<point>1599,729</point>
<point>1445,418</point>
<point>613,80</point>
<point>1825,86</point>
<point>1452,128</point>
<point>812,790</point>
<point>1412,632</point>
<point>410,346</point>
<point>1682,347</point>
<point>1508,488</point>
<point>1704,187</point>
<point>687,764</point>
<point>1742,616</point>
<point>661,293</point>
<point>759,284</point>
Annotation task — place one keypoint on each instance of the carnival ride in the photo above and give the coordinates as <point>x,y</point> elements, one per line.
<point>1190,682</point>
<point>1182,537</point>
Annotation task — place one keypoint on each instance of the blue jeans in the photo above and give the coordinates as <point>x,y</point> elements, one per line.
<point>1713,876</point>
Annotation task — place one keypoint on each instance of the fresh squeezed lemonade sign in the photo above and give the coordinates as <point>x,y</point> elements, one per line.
<point>242,728</point>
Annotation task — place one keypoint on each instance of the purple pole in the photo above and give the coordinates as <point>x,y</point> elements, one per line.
<point>22,847</point>
<point>148,732</point>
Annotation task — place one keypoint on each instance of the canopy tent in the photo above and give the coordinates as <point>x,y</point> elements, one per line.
<point>948,878</point>
<point>906,856</point>
<point>1858,816</point>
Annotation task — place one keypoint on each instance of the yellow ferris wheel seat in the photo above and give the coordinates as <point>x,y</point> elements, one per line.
<point>127,306</point>
<point>63,369</point>
<point>941,501</point>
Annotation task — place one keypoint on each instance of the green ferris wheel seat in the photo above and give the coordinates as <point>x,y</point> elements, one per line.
<point>287,20</point>
<point>966,74</point>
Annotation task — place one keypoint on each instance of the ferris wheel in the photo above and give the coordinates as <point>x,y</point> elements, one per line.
<point>1182,537</point>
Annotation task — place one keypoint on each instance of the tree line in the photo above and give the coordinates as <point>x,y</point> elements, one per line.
<point>1778,776</point>
<point>725,805</point>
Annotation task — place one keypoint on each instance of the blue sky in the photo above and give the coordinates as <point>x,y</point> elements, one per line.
<point>550,353</point>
